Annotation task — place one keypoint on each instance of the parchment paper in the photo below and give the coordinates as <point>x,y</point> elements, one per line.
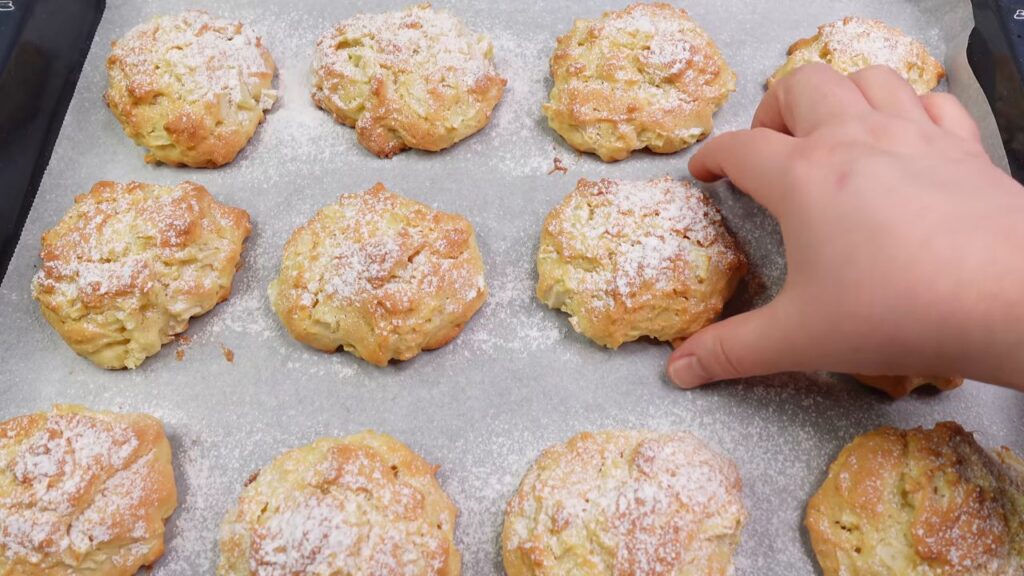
<point>518,379</point>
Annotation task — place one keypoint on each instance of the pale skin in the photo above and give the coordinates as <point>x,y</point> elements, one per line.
<point>904,243</point>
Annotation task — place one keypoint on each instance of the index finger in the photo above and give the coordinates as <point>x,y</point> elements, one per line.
<point>754,160</point>
<point>807,99</point>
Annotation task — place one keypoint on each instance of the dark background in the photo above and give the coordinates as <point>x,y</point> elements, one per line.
<point>43,45</point>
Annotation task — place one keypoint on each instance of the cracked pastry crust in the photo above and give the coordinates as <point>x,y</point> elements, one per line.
<point>363,504</point>
<point>643,77</point>
<point>415,78</point>
<point>83,493</point>
<point>129,265</point>
<point>900,386</point>
<point>850,44</point>
<point>923,502</point>
<point>190,88</point>
<point>379,275</point>
<point>629,259</point>
<point>625,502</point>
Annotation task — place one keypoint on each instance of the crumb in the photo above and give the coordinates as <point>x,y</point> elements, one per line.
<point>558,166</point>
<point>252,477</point>
<point>229,354</point>
<point>184,341</point>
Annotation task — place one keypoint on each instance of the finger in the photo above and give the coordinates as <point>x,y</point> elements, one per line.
<point>753,159</point>
<point>812,96</point>
<point>749,344</point>
<point>948,113</point>
<point>886,91</point>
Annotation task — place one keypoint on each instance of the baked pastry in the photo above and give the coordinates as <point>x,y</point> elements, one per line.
<point>628,259</point>
<point>379,275</point>
<point>416,78</point>
<point>625,502</point>
<point>900,386</point>
<point>363,504</point>
<point>643,77</point>
<point>190,88</point>
<point>928,502</point>
<point>83,493</point>
<point>129,264</point>
<point>850,44</point>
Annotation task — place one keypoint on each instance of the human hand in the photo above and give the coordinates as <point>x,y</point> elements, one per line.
<point>902,238</point>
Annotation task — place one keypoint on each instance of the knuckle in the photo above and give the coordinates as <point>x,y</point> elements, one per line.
<point>877,71</point>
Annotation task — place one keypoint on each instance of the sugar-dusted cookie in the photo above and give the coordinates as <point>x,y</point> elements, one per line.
<point>379,275</point>
<point>625,502</point>
<point>628,259</point>
<point>643,77</point>
<point>129,265</point>
<point>851,44</point>
<point>83,493</point>
<point>191,88</point>
<point>415,78</point>
<point>930,502</point>
<point>363,504</point>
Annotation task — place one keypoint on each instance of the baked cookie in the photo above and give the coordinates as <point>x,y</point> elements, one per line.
<point>924,502</point>
<point>628,259</point>
<point>379,275</point>
<point>900,386</point>
<point>130,264</point>
<point>625,502</point>
<point>363,504</point>
<point>190,88</point>
<point>83,493</point>
<point>851,44</point>
<point>417,78</point>
<point>643,77</point>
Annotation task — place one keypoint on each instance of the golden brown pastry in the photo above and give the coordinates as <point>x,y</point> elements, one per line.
<point>363,504</point>
<point>190,88</point>
<point>850,44</point>
<point>416,78</point>
<point>920,502</point>
<point>643,77</point>
<point>900,386</point>
<point>379,275</point>
<point>130,264</point>
<point>83,493</point>
<point>628,259</point>
<point>625,502</point>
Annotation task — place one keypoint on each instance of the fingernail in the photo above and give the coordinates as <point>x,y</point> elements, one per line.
<point>687,372</point>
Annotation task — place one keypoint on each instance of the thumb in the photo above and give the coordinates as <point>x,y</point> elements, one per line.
<point>749,344</point>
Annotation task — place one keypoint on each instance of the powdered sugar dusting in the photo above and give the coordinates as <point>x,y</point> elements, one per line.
<point>199,57</point>
<point>379,246</point>
<point>516,141</point>
<point>622,236</point>
<point>72,475</point>
<point>419,40</point>
<point>308,536</point>
<point>869,42</point>
<point>645,76</point>
<point>340,505</point>
<point>633,502</point>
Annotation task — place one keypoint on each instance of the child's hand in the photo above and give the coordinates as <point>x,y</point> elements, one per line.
<point>904,243</point>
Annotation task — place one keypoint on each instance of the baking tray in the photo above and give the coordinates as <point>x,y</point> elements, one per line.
<point>518,379</point>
